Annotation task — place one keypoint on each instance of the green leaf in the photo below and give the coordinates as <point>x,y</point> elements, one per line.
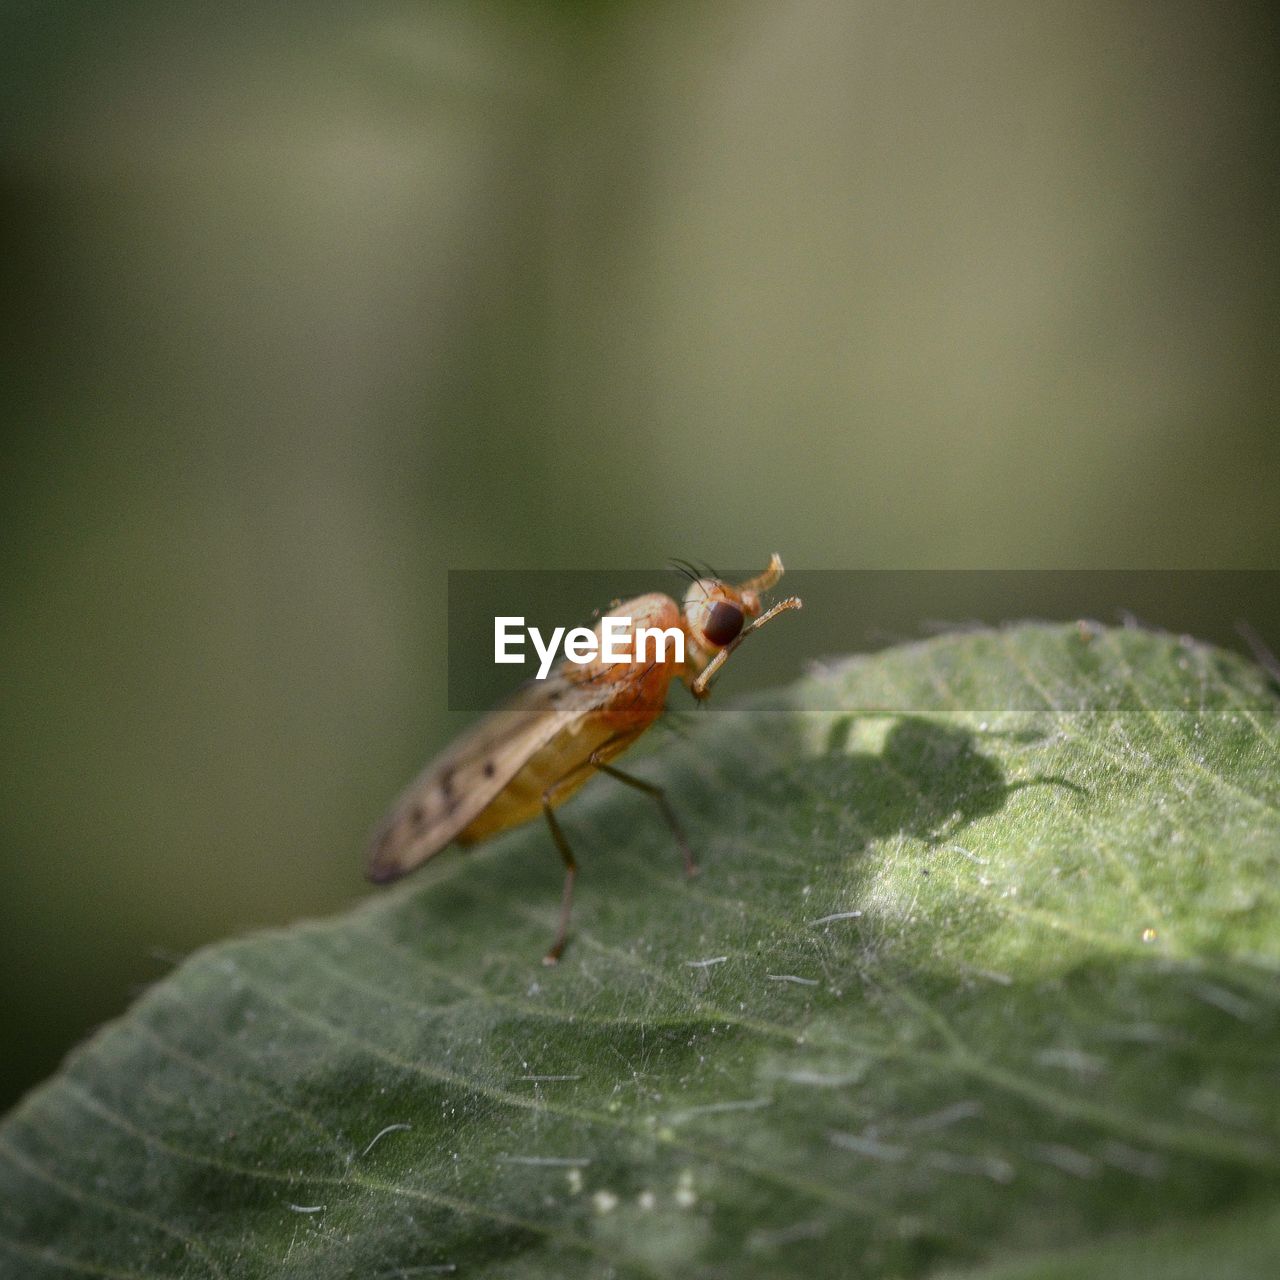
<point>979,978</point>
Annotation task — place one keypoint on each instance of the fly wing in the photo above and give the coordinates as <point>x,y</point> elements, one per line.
<point>462,782</point>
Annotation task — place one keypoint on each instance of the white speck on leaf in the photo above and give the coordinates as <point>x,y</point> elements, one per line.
<point>836,915</point>
<point>382,1133</point>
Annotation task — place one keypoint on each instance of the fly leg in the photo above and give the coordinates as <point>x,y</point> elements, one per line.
<point>660,799</point>
<point>570,875</point>
<point>550,798</point>
<point>701,687</point>
<point>568,784</point>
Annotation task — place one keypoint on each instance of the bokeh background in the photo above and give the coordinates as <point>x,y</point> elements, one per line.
<point>303,305</point>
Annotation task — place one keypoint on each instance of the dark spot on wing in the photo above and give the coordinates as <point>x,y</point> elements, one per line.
<point>446,787</point>
<point>383,868</point>
<point>417,818</point>
<point>489,769</point>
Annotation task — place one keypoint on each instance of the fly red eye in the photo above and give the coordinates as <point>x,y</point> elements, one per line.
<point>723,623</point>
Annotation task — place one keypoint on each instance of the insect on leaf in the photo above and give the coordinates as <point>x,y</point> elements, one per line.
<point>979,979</point>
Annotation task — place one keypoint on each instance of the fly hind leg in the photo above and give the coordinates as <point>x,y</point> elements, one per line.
<point>566,785</point>
<point>552,796</point>
<point>570,875</point>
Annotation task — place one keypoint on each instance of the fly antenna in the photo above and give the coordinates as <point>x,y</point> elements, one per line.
<point>768,579</point>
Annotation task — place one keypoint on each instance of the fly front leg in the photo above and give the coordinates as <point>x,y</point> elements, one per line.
<point>701,687</point>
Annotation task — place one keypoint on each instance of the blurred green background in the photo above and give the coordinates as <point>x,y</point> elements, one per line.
<point>305,304</point>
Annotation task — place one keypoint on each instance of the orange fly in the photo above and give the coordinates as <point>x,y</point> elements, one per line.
<point>532,754</point>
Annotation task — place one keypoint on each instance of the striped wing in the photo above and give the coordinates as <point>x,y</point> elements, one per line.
<point>463,781</point>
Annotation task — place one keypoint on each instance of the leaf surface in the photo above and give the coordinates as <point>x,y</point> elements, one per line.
<point>979,979</point>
